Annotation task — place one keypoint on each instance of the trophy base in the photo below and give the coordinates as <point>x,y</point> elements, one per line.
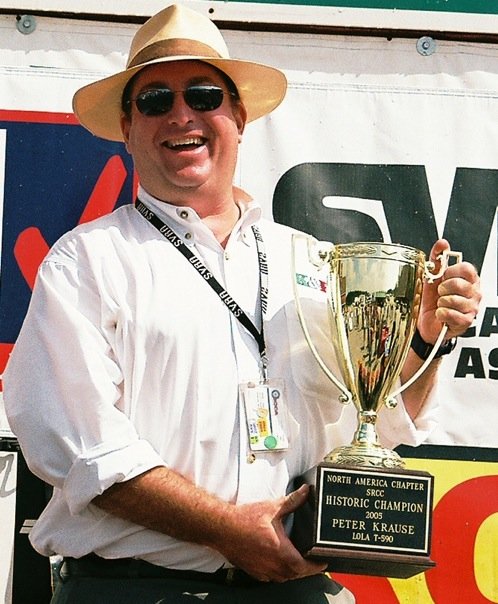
<point>371,521</point>
<point>372,564</point>
<point>365,455</point>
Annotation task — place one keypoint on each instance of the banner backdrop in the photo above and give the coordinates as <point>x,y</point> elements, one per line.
<point>377,142</point>
<point>374,141</point>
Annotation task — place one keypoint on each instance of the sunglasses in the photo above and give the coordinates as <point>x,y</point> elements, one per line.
<point>158,101</point>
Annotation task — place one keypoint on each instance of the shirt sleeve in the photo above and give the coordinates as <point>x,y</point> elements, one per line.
<point>396,427</point>
<point>63,389</point>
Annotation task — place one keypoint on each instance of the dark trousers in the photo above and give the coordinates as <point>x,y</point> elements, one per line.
<point>76,588</point>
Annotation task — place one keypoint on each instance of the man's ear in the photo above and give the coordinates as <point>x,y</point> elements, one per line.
<point>125,121</point>
<point>240,115</point>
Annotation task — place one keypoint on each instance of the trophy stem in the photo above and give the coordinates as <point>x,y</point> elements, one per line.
<point>365,449</point>
<point>366,433</point>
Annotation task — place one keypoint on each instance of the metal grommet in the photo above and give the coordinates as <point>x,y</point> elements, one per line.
<point>426,46</point>
<point>26,24</point>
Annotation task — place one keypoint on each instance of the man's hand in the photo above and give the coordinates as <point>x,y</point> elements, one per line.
<point>251,536</point>
<point>452,300</point>
<point>257,543</point>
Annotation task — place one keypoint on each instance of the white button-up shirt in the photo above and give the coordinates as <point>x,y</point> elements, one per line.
<point>128,360</point>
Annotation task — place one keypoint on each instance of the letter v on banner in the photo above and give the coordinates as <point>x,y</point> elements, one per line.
<point>402,190</point>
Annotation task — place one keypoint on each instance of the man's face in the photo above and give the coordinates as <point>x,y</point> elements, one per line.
<point>184,151</point>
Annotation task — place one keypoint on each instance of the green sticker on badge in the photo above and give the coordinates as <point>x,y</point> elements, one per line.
<point>270,442</point>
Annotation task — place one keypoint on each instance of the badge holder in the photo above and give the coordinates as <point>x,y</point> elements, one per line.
<point>266,415</point>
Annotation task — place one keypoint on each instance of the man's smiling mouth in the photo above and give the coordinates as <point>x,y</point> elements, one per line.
<point>186,142</point>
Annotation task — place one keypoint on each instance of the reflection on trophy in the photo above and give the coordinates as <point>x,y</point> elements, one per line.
<point>370,515</point>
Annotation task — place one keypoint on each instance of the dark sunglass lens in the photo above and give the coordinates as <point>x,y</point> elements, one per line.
<point>155,102</point>
<point>204,98</point>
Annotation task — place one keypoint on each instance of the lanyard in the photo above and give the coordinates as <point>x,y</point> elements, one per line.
<point>206,274</point>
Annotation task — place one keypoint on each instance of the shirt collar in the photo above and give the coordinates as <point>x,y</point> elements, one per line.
<point>250,213</point>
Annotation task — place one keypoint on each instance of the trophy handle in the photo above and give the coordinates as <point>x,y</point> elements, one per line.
<point>318,255</point>
<point>444,258</point>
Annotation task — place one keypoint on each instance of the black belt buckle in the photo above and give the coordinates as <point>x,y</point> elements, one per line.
<point>230,576</point>
<point>238,578</point>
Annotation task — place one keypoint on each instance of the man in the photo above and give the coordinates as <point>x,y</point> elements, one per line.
<point>131,386</point>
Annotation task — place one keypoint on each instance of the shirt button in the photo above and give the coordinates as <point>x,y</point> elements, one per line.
<point>188,236</point>
<point>227,256</point>
<point>184,214</point>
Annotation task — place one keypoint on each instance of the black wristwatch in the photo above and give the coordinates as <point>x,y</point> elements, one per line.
<point>422,349</point>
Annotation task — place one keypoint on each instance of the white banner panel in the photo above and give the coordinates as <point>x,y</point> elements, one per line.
<point>403,143</point>
<point>363,109</point>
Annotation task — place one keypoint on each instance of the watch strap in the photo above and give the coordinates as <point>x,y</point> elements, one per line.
<point>422,349</point>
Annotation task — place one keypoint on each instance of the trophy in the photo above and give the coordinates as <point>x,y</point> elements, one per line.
<point>367,514</point>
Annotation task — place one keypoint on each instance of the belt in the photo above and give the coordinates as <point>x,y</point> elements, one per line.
<point>92,565</point>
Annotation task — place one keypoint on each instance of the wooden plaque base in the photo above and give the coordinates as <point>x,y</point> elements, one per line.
<point>368,521</point>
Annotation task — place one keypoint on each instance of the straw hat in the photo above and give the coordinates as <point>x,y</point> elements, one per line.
<point>177,34</point>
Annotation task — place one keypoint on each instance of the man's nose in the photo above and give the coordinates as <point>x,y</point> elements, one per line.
<point>180,112</point>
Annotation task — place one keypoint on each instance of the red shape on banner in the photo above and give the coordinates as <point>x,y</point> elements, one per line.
<point>30,247</point>
<point>106,190</point>
<point>368,590</point>
<point>456,521</point>
<point>5,350</point>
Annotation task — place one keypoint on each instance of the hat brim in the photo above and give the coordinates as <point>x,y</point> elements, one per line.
<point>98,105</point>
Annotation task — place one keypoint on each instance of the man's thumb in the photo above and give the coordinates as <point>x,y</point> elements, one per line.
<point>295,500</point>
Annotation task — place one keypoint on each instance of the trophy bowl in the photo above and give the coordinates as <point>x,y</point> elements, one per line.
<point>374,292</point>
